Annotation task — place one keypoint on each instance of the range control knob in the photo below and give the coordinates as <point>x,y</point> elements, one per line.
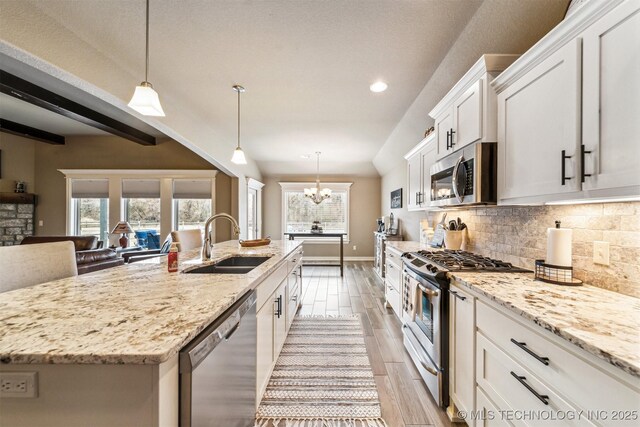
<point>434,269</point>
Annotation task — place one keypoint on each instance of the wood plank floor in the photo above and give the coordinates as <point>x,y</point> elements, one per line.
<point>405,400</point>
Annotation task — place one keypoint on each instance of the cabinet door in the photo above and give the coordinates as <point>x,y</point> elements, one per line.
<point>467,116</point>
<point>444,125</point>
<point>462,349</point>
<point>611,91</point>
<point>293,295</point>
<point>428,158</point>
<point>487,415</point>
<point>415,177</point>
<point>538,121</point>
<point>265,348</point>
<point>280,319</point>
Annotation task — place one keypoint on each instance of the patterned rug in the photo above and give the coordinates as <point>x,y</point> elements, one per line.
<point>322,378</point>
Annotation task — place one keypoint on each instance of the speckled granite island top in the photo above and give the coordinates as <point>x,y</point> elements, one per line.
<point>133,314</point>
<point>604,323</point>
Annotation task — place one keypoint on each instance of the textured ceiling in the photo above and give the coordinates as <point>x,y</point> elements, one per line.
<point>307,66</point>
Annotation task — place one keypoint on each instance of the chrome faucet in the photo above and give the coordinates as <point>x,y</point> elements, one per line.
<point>206,246</point>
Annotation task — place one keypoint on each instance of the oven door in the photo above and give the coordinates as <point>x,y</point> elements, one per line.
<point>422,336</point>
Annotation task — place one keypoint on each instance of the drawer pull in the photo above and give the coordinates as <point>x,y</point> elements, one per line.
<point>523,345</point>
<point>455,294</point>
<point>523,380</point>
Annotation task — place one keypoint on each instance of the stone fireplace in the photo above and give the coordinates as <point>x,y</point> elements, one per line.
<point>17,215</point>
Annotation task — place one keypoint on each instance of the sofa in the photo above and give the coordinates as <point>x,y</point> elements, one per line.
<point>89,257</point>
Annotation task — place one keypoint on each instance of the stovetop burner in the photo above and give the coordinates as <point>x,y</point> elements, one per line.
<point>458,260</point>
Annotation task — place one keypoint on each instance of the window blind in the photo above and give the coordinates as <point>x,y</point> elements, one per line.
<point>90,188</point>
<point>141,188</point>
<point>192,189</point>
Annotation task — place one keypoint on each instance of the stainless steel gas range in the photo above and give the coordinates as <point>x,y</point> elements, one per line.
<point>425,305</point>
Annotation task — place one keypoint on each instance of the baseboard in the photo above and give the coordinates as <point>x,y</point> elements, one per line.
<point>312,259</point>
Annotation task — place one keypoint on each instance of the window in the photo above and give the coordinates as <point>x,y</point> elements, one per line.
<point>192,203</point>
<point>142,210</point>
<point>90,214</point>
<point>299,212</point>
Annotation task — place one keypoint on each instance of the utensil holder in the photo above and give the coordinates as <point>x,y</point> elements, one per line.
<point>455,239</point>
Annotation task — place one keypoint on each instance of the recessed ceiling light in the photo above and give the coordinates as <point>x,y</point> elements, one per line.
<point>378,86</point>
<point>305,156</point>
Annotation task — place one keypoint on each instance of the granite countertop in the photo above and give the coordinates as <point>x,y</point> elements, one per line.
<point>132,314</point>
<point>405,245</point>
<point>604,323</point>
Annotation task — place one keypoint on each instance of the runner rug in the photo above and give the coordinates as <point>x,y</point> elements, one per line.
<point>322,378</point>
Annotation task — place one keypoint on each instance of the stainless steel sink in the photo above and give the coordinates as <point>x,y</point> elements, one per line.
<point>231,265</point>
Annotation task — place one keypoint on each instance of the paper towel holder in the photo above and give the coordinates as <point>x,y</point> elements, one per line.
<point>555,274</point>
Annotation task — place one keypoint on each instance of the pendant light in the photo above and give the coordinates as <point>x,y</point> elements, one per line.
<point>145,100</point>
<point>316,195</point>
<point>238,155</point>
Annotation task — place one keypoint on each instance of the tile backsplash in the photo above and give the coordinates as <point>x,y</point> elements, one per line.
<point>517,234</point>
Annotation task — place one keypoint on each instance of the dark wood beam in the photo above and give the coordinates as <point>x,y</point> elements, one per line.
<point>14,128</point>
<point>36,95</point>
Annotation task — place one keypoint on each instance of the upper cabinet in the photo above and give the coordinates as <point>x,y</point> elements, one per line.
<point>467,113</point>
<point>568,108</point>
<point>419,162</point>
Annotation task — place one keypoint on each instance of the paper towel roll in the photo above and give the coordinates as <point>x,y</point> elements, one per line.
<point>559,246</point>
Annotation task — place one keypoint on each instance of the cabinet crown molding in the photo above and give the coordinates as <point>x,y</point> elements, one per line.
<point>564,32</point>
<point>420,145</point>
<point>487,63</point>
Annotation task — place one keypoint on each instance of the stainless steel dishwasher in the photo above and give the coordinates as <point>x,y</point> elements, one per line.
<point>218,370</point>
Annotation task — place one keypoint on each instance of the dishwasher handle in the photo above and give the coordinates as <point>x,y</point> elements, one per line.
<point>218,332</point>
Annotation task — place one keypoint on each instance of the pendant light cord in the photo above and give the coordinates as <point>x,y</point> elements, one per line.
<point>146,69</point>
<point>238,119</point>
<point>318,171</point>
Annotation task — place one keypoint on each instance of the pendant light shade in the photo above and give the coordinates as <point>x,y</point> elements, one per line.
<point>145,100</point>
<point>238,155</point>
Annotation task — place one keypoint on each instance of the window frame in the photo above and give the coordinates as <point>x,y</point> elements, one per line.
<point>299,187</point>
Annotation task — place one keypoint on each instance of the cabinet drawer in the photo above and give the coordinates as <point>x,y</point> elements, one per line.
<point>394,258</point>
<point>295,259</point>
<point>393,298</point>
<point>569,374</point>
<point>293,300</point>
<point>393,276</point>
<point>513,387</point>
<point>487,415</point>
<point>269,285</point>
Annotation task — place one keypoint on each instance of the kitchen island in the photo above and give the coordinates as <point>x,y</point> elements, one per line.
<point>105,345</point>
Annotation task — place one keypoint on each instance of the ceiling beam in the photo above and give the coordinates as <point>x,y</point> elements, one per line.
<point>36,95</point>
<point>14,128</point>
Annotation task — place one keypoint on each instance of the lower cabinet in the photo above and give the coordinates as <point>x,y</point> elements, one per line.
<point>461,349</point>
<point>502,366</point>
<point>278,302</point>
<point>393,280</point>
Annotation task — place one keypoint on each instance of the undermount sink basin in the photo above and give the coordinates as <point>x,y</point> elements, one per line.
<point>231,265</point>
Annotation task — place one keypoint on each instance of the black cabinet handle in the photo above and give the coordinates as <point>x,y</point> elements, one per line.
<point>523,346</point>
<point>448,136</point>
<point>279,306</point>
<point>582,153</point>
<point>455,294</point>
<point>523,380</point>
<point>564,168</point>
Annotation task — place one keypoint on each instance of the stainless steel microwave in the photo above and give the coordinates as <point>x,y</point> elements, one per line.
<point>466,177</point>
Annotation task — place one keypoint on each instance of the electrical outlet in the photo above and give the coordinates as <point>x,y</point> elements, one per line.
<point>355,248</point>
<point>40,223</point>
<point>19,384</point>
<point>601,253</point>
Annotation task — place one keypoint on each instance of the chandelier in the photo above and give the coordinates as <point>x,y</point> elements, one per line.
<point>316,195</point>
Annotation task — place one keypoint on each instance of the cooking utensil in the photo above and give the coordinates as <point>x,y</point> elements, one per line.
<point>453,225</point>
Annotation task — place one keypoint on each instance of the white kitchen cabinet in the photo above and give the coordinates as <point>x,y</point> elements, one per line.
<point>611,101</point>
<point>265,343</point>
<point>280,318</point>
<point>487,413</point>
<point>443,128</point>
<point>568,108</point>
<point>414,184</point>
<point>467,113</point>
<point>539,129</point>
<point>393,280</point>
<point>419,162</point>
<point>462,349</point>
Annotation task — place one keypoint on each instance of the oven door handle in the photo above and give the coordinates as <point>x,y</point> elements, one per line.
<point>428,291</point>
<point>430,369</point>
<point>454,180</point>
